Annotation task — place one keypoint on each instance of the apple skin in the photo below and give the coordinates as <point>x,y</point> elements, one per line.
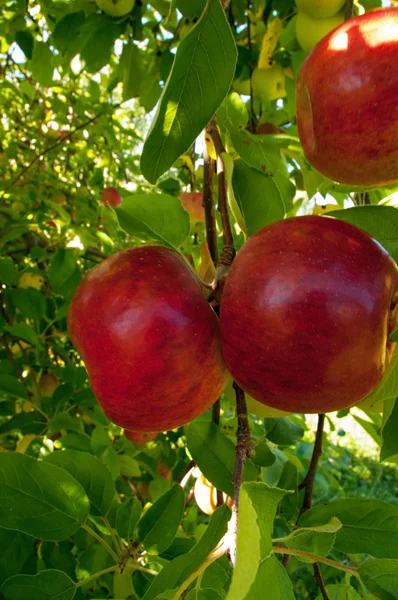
<point>116,8</point>
<point>111,197</point>
<point>149,339</point>
<point>320,9</point>
<point>48,384</point>
<point>206,496</point>
<point>347,109</point>
<point>306,314</point>
<point>140,438</point>
<point>310,31</point>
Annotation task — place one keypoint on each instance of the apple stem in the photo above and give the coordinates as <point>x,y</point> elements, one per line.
<point>216,420</point>
<point>243,449</point>
<point>208,204</point>
<point>348,9</point>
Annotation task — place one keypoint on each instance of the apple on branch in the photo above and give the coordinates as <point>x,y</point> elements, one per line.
<point>347,108</point>
<point>149,339</point>
<point>116,8</point>
<point>306,314</point>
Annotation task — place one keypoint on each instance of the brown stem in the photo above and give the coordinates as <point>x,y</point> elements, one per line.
<point>325,561</point>
<point>188,468</point>
<point>242,450</point>
<point>348,9</point>
<point>309,480</point>
<point>319,579</point>
<point>208,204</point>
<point>216,420</point>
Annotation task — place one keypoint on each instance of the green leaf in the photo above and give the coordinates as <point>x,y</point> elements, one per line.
<point>158,527</point>
<point>258,197</point>
<point>62,268</point>
<point>201,76</point>
<point>40,499</point>
<point>22,331</point>
<point>92,475</point>
<point>283,431</point>
<point>127,518</point>
<point>315,540</point>
<point>369,526</point>
<point>233,112</point>
<point>389,446</point>
<point>10,386</point>
<point>381,577</point>
<point>46,585</point>
<point>340,591</point>
<point>388,387</point>
<point>99,27</point>
<point>381,222</point>
<point>214,454</point>
<point>257,569</point>
<point>8,273</point>
<point>68,32</point>
<point>31,303</point>
<point>179,569</point>
<point>41,64</point>
<point>131,65</point>
<point>16,548</point>
<point>155,217</point>
<point>25,41</point>
<point>129,466</point>
<point>261,152</point>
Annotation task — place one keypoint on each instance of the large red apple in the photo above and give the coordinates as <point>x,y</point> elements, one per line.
<point>347,101</point>
<point>306,314</point>
<point>149,339</point>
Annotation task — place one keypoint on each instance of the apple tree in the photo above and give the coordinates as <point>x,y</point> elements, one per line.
<point>184,134</point>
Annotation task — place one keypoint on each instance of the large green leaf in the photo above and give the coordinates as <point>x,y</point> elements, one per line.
<point>341,591</point>
<point>154,217</point>
<point>369,526</point>
<point>381,577</point>
<point>179,569</point>
<point>92,475</point>
<point>40,499</point>
<point>46,585</point>
<point>11,386</point>
<point>389,446</point>
<point>158,527</point>
<point>202,73</point>
<point>16,547</point>
<point>257,569</point>
<point>214,454</point>
<point>258,197</point>
<point>127,517</point>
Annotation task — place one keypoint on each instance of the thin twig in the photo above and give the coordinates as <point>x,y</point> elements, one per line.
<point>348,9</point>
<point>101,541</point>
<point>208,204</point>
<point>249,41</point>
<point>242,451</point>
<point>319,579</point>
<point>325,561</point>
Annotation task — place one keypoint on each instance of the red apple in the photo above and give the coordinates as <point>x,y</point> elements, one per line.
<point>140,438</point>
<point>306,314</point>
<point>149,339</point>
<point>347,101</point>
<point>193,204</point>
<point>111,197</point>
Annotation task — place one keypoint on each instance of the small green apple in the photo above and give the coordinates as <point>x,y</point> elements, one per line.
<point>269,84</point>
<point>242,84</point>
<point>320,9</point>
<point>116,8</point>
<point>310,31</point>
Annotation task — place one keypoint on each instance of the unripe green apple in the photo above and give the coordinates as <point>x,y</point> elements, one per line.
<point>306,314</point>
<point>149,339</point>
<point>269,84</point>
<point>320,9</point>
<point>310,31</point>
<point>116,8</point>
